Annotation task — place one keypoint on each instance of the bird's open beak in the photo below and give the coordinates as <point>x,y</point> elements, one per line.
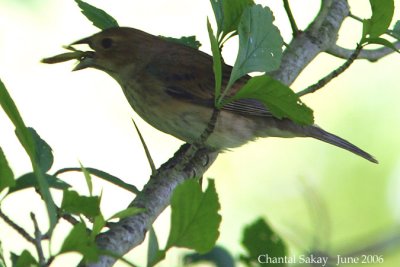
<point>86,58</point>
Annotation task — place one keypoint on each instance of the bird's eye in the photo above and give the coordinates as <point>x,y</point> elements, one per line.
<point>106,43</point>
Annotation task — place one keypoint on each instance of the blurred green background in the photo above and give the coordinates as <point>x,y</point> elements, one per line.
<point>318,197</point>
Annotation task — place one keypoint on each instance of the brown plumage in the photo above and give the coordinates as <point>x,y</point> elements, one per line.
<point>171,86</point>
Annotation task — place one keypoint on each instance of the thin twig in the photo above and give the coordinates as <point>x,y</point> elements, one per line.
<point>38,241</point>
<point>295,29</point>
<point>69,218</point>
<point>17,228</point>
<point>321,83</point>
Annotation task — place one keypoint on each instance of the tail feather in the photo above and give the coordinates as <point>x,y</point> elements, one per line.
<point>335,140</point>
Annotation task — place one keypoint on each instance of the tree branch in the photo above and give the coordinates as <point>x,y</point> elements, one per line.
<point>372,55</point>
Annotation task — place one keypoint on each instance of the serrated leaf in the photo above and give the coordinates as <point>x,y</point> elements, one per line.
<point>126,213</point>
<point>44,152</point>
<point>98,17</point>
<point>194,217</point>
<point>227,14</point>
<point>382,14</point>
<point>190,41</point>
<point>6,174</point>
<point>29,180</point>
<point>259,239</point>
<point>277,97</point>
<point>217,65</point>
<point>260,43</point>
<point>78,240</point>
<point>74,203</point>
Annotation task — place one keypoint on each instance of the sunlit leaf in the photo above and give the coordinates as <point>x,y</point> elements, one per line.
<point>72,202</point>
<point>194,217</point>
<point>79,240</point>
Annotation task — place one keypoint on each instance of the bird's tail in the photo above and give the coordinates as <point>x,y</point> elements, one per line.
<point>335,140</point>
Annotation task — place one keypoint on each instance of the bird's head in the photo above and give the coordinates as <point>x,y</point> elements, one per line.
<point>114,50</point>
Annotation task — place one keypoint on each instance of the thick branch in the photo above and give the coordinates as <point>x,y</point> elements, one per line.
<point>154,198</point>
<point>368,54</point>
<point>318,37</point>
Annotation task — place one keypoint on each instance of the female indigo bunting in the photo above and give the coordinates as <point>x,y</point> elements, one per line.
<point>171,86</point>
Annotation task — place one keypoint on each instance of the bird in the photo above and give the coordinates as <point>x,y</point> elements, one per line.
<point>171,86</point>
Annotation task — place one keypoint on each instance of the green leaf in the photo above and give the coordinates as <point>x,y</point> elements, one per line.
<point>6,174</point>
<point>217,67</point>
<point>74,203</point>
<point>88,179</point>
<point>259,239</point>
<point>382,14</point>
<point>218,256</point>
<point>152,248</point>
<point>190,41</point>
<point>127,213</point>
<point>27,141</point>
<point>79,240</point>
<point>103,175</point>
<point>29,180</point>
<point>194,217</point>
<point>277,97</point>
<point>381,41</point>
<point>98,17</point>
<point>227,14</point>
<point>260,43</point>
<point>24,260</point>
<point>44,152</point>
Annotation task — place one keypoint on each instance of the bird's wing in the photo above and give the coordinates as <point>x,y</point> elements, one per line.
<point>188,74</point>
